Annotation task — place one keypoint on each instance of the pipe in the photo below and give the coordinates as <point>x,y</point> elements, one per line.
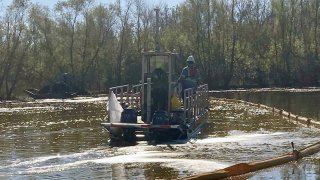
<point>157,36</point>
<point>243,168</point>
<point>148,100</point>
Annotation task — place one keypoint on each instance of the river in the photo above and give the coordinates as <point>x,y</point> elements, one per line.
<point>63,139</point>
<point>303,102</point>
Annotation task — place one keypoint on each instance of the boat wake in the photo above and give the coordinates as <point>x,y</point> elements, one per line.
<point>107,158</point>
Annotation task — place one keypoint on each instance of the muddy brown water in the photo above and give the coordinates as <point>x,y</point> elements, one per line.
<point>303,102</point>
<point>63,139</point>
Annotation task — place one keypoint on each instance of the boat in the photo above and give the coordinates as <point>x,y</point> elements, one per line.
<point>152,110</point>
<point>37,94</point>
<point>57,90</point>
<point>61,89</point>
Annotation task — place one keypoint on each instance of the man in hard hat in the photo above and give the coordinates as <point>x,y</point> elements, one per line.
<point>189,77</point>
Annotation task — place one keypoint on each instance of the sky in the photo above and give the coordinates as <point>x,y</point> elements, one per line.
<point>51,3</point>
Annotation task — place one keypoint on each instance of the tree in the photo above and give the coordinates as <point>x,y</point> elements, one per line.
<point>15,44</point>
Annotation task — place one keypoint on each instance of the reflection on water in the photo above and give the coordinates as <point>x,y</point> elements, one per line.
<point>303,102</point>
<point>58,139</point>
<point>305,169</point>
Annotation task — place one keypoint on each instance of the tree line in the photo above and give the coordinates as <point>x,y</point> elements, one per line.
<point>246,43</point>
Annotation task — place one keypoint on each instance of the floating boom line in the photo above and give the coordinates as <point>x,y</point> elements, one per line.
<point>244,168</point>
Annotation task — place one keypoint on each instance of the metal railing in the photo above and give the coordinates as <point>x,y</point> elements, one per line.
<point>196,103</point>
<point>128,94</point>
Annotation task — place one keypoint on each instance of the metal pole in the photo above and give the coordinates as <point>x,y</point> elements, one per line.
<point>148,100</point>
<point>157,38</point>
<point>170,83</point>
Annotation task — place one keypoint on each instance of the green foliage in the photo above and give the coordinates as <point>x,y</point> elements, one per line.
<point>236,43</point>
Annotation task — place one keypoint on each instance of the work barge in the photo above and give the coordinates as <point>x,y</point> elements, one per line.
<point>153,111</point>
<point>157,109</point>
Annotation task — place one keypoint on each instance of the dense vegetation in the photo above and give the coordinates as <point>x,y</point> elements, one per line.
<point>247,43</point>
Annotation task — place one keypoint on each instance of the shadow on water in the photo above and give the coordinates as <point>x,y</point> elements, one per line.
<point>64,139</point>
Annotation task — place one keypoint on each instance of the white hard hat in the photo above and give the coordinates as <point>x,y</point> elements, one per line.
<point>191,59</point>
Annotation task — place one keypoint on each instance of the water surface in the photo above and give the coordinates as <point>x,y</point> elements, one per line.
<point>63,139</point>
<point>303,102</point>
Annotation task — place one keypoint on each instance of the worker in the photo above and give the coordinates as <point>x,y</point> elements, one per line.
<point>159,90</point>
<point>189,77</point>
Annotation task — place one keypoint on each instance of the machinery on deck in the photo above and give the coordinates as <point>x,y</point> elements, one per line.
<point>152,110</point>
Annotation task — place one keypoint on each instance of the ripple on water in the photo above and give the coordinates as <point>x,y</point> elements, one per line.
<point>70,143</point>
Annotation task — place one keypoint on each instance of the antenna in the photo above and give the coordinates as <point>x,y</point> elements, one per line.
<point>157,38</point>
